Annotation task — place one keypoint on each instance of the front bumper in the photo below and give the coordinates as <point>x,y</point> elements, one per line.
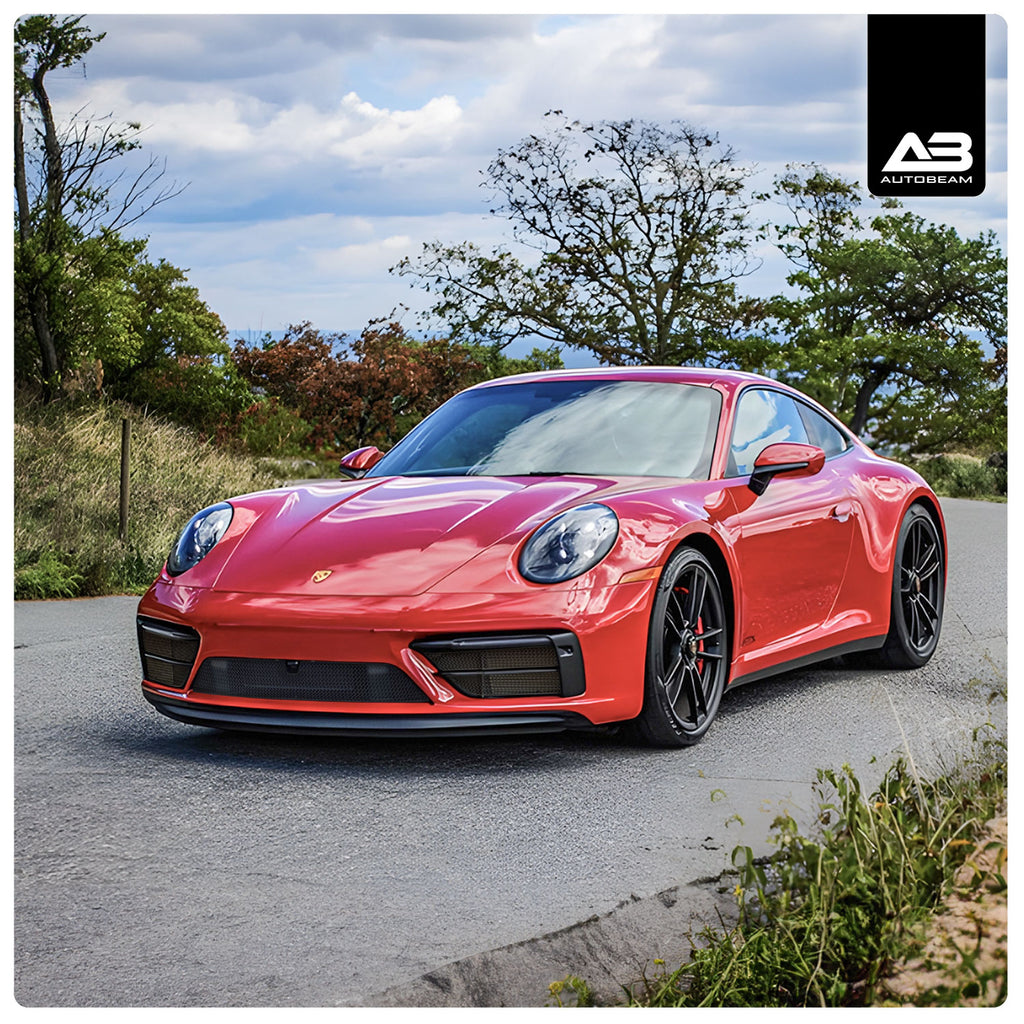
<point>609,624</point>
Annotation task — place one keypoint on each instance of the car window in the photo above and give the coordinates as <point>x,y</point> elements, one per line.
<point>589,427</point>
<point>821,432</point>
<point>762,418</point>
<point>471,439</point>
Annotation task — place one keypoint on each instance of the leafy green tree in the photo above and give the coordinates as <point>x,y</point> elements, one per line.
<point>641,234</point>
<point>87,305</point>
<point>69,204</point>
<point>890,323</point>
<point>169,321</point>
<point>167,349</point>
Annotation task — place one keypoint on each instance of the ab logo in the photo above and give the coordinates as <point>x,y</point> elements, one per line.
<point>946,151</point>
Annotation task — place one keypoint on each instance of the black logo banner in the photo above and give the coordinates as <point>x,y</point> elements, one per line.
<point>926,104</point>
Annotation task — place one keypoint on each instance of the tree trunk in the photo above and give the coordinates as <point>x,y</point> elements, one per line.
<point>51,146</point>
<point>862,407</point>
<point>35,296</point>
<point>20,181</point>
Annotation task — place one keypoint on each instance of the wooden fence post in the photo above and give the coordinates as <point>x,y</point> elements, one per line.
<point>126,434</point>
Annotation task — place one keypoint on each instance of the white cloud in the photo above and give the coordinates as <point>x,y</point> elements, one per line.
<point>215,120</point>
<point>370,135</point>
<point>362,261</point>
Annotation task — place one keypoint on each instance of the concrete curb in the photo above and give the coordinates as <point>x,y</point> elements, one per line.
<point>610,951</point>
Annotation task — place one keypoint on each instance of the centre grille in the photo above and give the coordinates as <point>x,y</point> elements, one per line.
<point>341,681</point>
<point>508,665</point>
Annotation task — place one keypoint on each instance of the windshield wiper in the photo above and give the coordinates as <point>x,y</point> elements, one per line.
<point>485,471</point>
<point>488,471</point>
<point>444,471</point>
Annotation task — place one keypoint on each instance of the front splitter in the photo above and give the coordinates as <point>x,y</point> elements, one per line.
<point>340,724</point>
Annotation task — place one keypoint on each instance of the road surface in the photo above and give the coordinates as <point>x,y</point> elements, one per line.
<point>162,864</point>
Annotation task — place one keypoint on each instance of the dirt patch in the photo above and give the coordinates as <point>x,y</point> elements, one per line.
<point>963,962</point>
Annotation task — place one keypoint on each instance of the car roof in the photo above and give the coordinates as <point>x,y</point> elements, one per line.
<point>671,374</point>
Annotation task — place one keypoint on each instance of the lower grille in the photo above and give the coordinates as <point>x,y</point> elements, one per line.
<point>340,681</point>
<point>509,665</point>
<point>168,651</point>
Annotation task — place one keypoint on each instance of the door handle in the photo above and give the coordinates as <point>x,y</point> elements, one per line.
<point>841,512</point>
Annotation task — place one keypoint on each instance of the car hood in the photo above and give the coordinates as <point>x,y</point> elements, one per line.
<point>391,535</point>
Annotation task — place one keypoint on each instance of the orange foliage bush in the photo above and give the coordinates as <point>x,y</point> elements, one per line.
<point>370,390</point>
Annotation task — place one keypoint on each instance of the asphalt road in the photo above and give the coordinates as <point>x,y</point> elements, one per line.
<point>163,864</point>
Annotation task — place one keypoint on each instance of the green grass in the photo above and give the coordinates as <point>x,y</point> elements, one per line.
<point>826,916</point>
<point>66,495</point>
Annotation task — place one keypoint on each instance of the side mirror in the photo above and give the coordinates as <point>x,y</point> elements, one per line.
<point>786,457</point>
<point>356,463</point>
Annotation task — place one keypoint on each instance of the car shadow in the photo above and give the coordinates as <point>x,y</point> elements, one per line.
<point>150,736</point>
<point>384,757</point>
<point>788,685</point>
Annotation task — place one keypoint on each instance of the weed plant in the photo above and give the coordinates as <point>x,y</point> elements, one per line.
<point>823,919</point>
<point>827,918</point>
<point>66,495</point>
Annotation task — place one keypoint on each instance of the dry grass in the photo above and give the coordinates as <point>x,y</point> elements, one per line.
<point>66,495</point>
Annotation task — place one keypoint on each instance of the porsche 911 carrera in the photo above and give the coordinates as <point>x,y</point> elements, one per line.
<point>563,550</point>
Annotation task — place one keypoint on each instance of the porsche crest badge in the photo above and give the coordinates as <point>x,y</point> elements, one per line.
<point>321,574</point>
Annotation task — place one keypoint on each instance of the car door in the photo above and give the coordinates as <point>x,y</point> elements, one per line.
<point>793,541</point>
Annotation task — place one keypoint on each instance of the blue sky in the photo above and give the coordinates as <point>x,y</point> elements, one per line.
<point>321,149</point>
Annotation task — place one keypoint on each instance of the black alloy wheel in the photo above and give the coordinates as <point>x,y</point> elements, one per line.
<point>918,591</point>
<point>687,654</point>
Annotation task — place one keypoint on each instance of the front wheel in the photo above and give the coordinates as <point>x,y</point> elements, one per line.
<point>687,654</point>
<point>918,590</point>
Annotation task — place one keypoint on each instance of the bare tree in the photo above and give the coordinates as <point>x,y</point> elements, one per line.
<point>641,234</point>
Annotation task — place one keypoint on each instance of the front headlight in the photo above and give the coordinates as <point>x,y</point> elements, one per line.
<point>197,539</point>
<point>569,544</point>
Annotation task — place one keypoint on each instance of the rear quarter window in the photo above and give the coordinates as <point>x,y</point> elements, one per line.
<point>821,433</point>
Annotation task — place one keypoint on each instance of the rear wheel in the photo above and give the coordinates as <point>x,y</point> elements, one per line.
<point>918,586</point>
<point>687,654</point>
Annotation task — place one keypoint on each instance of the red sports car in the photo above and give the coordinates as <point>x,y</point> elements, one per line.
<point>551,551</point>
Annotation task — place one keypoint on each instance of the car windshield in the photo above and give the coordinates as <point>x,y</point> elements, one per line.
<point>565,427</point>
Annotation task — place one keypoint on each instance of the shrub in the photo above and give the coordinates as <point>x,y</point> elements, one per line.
<point>269,428</point>
<point>963,476</point>
<point>42,574</point>
<point>194,390</point>
<point>369,390</point>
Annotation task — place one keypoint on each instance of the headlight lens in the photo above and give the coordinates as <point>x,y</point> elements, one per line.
<point>569,544</point>
<point>198,538</point>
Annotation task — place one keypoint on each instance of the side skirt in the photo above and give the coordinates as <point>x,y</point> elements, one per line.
<point>871,643</point>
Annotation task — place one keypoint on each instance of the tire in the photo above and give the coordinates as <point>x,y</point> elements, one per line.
<point>687,654</point>
<point>918,593</point>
